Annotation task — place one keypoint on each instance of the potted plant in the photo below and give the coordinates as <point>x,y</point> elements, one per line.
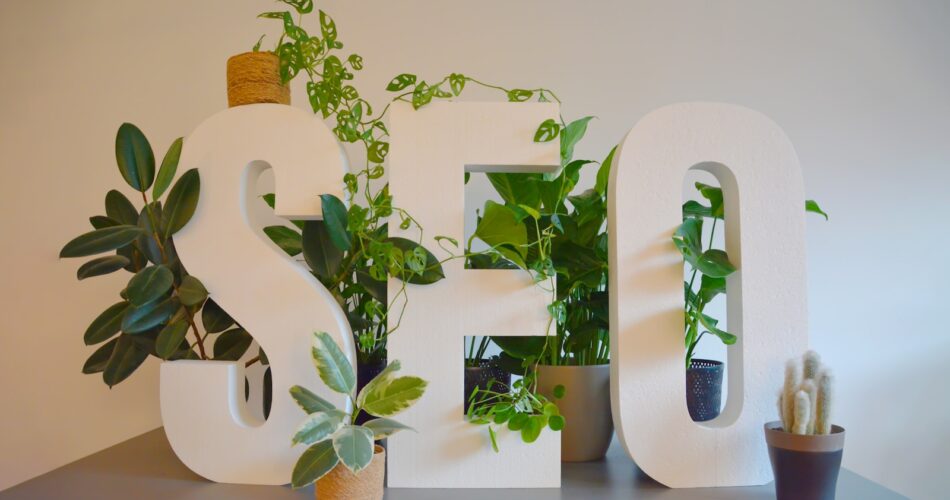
<point>521,409</point>
<point>712,267</point>
<point>481,372</point>
<point>341,456</point>
<point>804,446</point>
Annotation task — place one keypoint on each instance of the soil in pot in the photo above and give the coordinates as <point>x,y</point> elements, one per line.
<point>487,375</point>
<point>365,372</point>
<point>805,466</point>
<point>704,389</point>
<point>585,407</point>
<point>254,77</point>
<point>341,484</point>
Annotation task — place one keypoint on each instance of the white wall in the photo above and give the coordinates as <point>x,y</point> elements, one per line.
<point>860,86</point>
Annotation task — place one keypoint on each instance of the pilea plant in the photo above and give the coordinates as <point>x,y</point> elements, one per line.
<point>332,434</point>
<point>712,265</point>
<point>520,409</point>
<point>804,403</point>
<point>157,309</point>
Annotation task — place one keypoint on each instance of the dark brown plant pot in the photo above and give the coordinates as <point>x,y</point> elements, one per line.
<point>805,466</point>
<point>488,375</point>
<point>704,389</point>
<point>365,372</point>
<point>254,77</point>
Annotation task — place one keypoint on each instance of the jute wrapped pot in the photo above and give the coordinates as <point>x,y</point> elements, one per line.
<point>341,484</point>
<point>254,77</point>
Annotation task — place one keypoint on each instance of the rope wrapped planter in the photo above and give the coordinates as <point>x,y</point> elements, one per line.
<point>341,484</point>
<point>254,77</point>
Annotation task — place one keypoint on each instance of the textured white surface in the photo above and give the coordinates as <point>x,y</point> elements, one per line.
<point>431,150</point>
<point>764,202</point>
<point>276,300</point>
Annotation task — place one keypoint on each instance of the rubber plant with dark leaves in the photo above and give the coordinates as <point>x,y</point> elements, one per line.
<point>711,265</point>
<point>332,434</point>
<point>156,312</point>
<point>350,251</point>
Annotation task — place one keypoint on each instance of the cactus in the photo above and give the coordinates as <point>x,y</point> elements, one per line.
<point>793,378</point>
<point>823,407</point>
<point>802,412</point>
<point>804,402</point>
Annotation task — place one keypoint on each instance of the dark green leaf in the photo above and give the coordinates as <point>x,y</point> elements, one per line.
<point>191,291</point>
<point>134,157</point>
<point>287,239</point>
<point>520,347</point>
<point>433,269</point>
<point>101,265</point>
<point>170,338</point>
<point>694,208</point>
<point>500,226</point>
<point>322,256</point>
<point>714,195</point>
<point>376,288</point>
<point>106,324</point>
<point>125,359</point>
<point>96,363</point>
<point>149,284</point>
<point>120,209</point>
<point>335,217</point>
<point>400,82</point>
<point>181,202</point>
<point>101,221</point>
<point>715,263</point>
<point>556,422</point>
<point>603,173</point>
<point>148,316</point>
<point>711,286</point>
<point>232,344</point>
<point>812,206</point>
<point>167,171</point>
<point>517,189</point>
<point>213,318</point>
<point>100,240</point>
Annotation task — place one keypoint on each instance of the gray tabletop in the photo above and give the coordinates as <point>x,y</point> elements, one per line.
<point>146,468</point>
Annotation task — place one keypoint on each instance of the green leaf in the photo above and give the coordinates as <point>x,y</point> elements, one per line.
<point>96,363</point>
<point>145,317</point>
<point>191,292</point>
<point>710,324</point>
<point>315,463</point>
<point>571,135</point>
<point>149,284</point>
<point>383,378</point>
<point>456,83</point>
<point>286,238</point>
<point>520,347</point>
<point>688,239</point>
<point>354,446</point>
<point>711,286</point>
<point>120,209</point>
<point>715,263</point>
<point>693,208</point>
<point>385,427</point>
<point>517,189</point>
<point>318,427</point>
<point>335,217</point>
<point>101,240</point>
<point>494,439</point>
<point>433,269</point>
<point>213,318</point>
<point>394,396</point>
<point>547,131</point>
<point>232,344</point>
<point>603,173</point>
<point>377,151</point>
<point>101,265</point>
<point>559,391</point>
<point>334,369</point>
<point>714,195</point>
<point>533,427</point>
<point>400,82</point>
<point>101,221</point>
<point>126,358</point>
<point>519,95</point>
<point>328,28</point>
<point>556,422</point>
<point>167,171</point>
<point>170,338</point>
<point>106,324</point>
<point>181,202</point>
<point>812,206</point>
<point>500,226</point>
<point>308,401</point>
<point>134,156</point>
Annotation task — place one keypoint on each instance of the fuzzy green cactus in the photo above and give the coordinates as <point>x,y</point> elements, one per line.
<point>804,403</point>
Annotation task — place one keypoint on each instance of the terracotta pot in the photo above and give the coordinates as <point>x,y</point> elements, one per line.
<point>805,466</point>
<point>480,376</point>
<point>704,389</point>
<point>341,484</point>
<point>585,407</point>
<point>254,77</point>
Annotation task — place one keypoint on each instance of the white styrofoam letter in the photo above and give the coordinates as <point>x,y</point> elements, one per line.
<point>431,150</point>
<point>764,201</point>
<point>275,299</point>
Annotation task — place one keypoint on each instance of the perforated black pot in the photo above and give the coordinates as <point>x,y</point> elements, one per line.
<point>487,375</point>
<point>704,389</point>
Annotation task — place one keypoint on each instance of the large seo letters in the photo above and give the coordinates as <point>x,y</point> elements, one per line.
<point>275,299</point>
<point>764,202</point>
<point>431,150</point>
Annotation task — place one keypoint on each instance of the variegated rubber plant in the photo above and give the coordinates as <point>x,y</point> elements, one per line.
<point>332,433</point>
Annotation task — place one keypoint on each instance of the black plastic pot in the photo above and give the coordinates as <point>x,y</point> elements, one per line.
<point>805,466</point>
<point>704,389</point>
<point>487,375</point>
<point>364,373</point>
